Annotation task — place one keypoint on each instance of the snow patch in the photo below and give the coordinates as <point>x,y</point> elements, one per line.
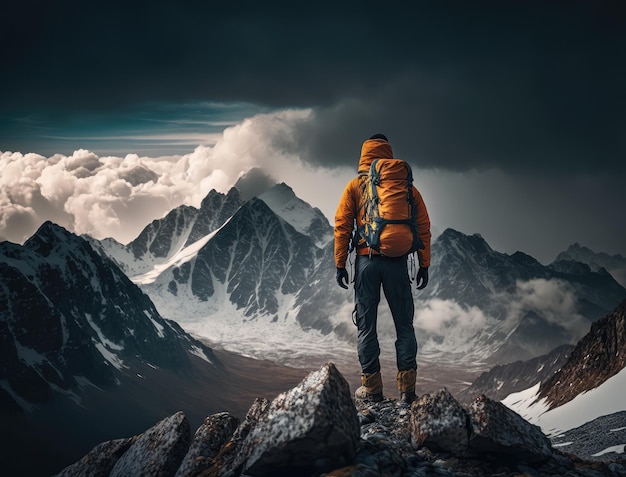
<point>200,354</point>
<point>29,355</point>
<point>83,382</point>
<point>103,339</point>
<point>616,449</point>
<point>156,324</point>
<point>608,398</point>
<point>109,356</point>
<point>184,255</point>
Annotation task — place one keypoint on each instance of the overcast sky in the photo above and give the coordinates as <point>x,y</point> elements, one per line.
<point>513,114</point>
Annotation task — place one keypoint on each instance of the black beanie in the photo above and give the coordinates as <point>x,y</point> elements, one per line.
<point>380,136</point>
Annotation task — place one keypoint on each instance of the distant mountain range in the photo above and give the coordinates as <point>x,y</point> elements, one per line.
<point>614,264</point>
<point>234,269</point>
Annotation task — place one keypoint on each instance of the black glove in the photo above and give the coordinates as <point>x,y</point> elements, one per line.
<point>422,278</point>
<point>342,277</point>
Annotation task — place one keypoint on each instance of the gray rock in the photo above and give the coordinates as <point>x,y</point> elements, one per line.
<point>618,469</point>
<point>313,426</point>
<point>216,430</point>
<point>100,460</point>
<point>159,451</point>
<point>440,422</point>
<point>224,463</point>
<point>498,430</point>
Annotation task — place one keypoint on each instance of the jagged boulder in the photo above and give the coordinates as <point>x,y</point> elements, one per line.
<point>224,462</point>
<point>100,460</point>
<point>314,426</point>
<point>438,421</point>
<point>488,427</point>
<point>498,430</point>
<point>158,451</point>
<point>216,430</point>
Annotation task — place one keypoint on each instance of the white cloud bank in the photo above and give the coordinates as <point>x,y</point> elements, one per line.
<point>447,328</point>
<point>118,196</point>
<point>109,196</point>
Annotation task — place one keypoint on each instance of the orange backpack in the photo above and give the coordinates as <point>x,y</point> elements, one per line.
<point>389,211</point>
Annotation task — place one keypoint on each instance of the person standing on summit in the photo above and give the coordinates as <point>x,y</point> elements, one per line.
<point>383,216</point>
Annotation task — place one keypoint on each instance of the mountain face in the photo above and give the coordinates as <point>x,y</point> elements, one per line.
<point>598,356</point>
<point>252,262</point>
<point>163,238</point>
<point>247,267</point>
<point>529,308</point>
<point>614,264</point>
<point>471,273</point>
<point>582,404</point>
<point>68,315</point>
<point>504,379</point>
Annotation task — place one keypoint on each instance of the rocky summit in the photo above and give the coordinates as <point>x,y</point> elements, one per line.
<point>316,429</point>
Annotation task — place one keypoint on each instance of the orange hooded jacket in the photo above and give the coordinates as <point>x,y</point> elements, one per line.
<point>350,208</point>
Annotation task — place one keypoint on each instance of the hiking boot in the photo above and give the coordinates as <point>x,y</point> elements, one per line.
<point>371,388</point>
<point>408,397</point>
<point>406,385</point>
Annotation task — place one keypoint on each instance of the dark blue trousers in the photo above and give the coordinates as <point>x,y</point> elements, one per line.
<point>392,274</point>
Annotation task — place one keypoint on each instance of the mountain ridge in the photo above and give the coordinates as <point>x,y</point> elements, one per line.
<point>81,316</point>
<point>496,305</point>
<point>615,264</point>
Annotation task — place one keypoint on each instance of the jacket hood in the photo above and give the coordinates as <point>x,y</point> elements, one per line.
<point>374,149</point>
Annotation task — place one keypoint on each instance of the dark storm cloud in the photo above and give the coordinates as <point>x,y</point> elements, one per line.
<point>476,122</point>
<point>455,85</point>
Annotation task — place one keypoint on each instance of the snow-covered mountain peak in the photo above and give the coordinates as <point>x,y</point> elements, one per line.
<point>298,213</point>
<point>48,236</point>
<point>458,241</point>
<point>214,199</point>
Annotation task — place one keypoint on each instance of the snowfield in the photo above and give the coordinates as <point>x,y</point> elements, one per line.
<point>592,425</point>
<point>608,398</point>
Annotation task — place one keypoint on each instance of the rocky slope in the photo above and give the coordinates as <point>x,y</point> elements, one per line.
<point>502,380</point>
<point>315,429</point>
<point>598,356</point>
<point>68,315</point>
<point>581,406</point>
